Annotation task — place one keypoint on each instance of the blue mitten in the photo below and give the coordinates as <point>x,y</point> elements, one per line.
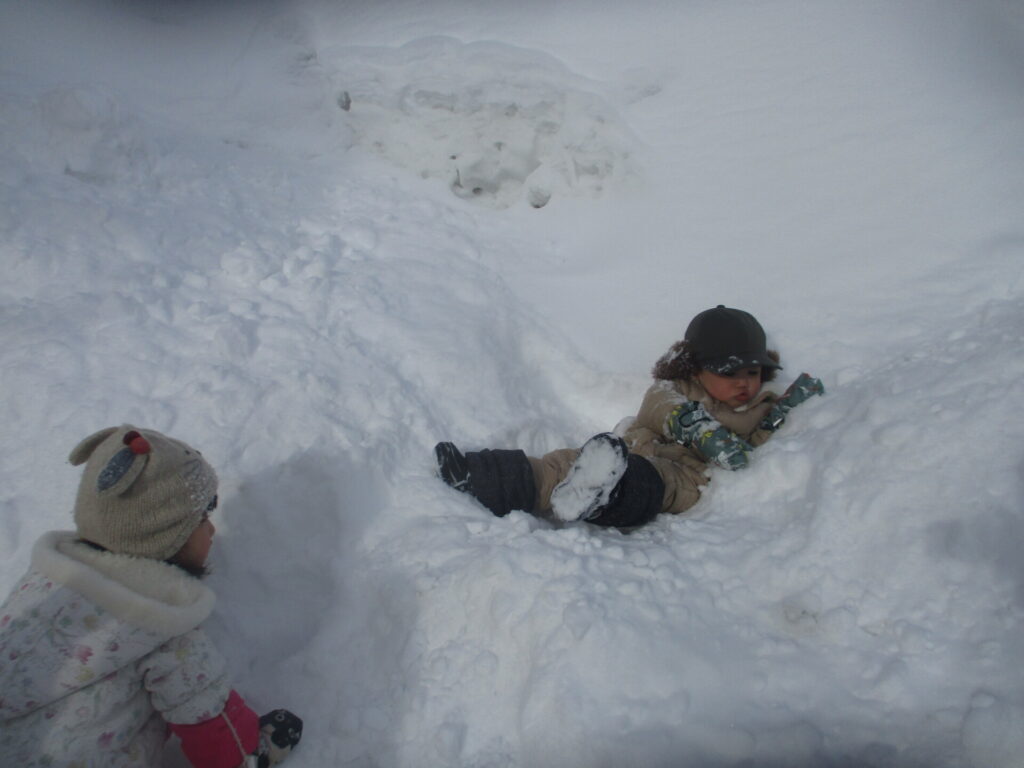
<point>805,387</point>
<point>691,425</point>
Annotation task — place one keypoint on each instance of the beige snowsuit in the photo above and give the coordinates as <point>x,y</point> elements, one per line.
<point>682,469</point>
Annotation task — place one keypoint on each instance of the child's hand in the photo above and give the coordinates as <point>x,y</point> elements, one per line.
<point>804,388</point>
<point>280,730</point>
<point>724,448</point>
<point>691,425</point>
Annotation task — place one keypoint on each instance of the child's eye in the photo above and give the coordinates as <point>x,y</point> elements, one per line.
<point>743,373</point>
<point>212,505</point>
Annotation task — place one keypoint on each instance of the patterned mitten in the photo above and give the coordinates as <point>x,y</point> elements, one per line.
<point>280,730</point>
<point>691,425</point>
<point>805,387</point>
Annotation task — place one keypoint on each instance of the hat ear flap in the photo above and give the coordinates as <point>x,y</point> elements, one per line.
<point>81,452</point>
<point>121,471</point>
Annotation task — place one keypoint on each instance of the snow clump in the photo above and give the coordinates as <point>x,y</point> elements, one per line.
<point>499,124</point>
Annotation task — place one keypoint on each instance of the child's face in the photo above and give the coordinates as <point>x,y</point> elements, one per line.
<point>197,547</point>
<point>734,389</point>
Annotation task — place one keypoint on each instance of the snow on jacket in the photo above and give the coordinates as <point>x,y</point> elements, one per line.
<point>98,653</point>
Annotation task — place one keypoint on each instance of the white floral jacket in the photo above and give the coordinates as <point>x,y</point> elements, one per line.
<point>98,652</point>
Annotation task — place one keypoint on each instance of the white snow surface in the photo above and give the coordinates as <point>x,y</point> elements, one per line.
<point>518,212</point>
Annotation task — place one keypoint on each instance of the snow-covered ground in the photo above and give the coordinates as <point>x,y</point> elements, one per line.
<point>314,238</point>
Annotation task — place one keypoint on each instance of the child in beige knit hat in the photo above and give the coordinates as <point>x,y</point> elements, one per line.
<point>100,639</point>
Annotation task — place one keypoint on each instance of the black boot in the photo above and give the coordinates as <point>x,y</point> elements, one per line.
<point>591,479</point>
<point>500,480</point>
<point>452,466</point>
<point>637,498</point>
<point>609,486</point>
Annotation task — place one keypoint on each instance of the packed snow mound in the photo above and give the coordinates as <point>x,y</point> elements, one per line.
<point>192,242</point>
<point>77,130</point>
<point>497,123</point>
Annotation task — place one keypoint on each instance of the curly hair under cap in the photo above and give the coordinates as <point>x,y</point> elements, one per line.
<point>678,363</point>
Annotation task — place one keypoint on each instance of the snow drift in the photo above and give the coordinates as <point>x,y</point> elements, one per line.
<point>201,235</point>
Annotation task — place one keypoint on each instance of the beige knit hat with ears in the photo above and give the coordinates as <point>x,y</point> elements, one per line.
<point>142,493</point>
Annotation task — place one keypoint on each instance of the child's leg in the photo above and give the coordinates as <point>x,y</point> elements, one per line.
<point>501,480</point>
<point>682,484</point>
<point>601,483</point>
<point>497,481</point>
<point>549,471</point>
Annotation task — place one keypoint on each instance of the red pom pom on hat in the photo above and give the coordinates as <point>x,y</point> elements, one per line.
<point>136,442</point>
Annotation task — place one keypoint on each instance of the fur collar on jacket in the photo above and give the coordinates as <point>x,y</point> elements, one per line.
<point>149,594</point>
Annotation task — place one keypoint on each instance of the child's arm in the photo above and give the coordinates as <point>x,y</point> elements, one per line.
<point>187,684</point>
<point>804,388</point>
<point>223,741</point>
<point>691,425</point>
<point>659,401</point>
<point>209,744</point>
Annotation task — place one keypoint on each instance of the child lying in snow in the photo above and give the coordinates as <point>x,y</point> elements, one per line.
<point>102,655</point>
<point>706,407</point>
